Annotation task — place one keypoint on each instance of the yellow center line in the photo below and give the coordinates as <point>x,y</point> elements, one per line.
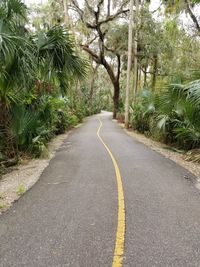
<point>120,234</point>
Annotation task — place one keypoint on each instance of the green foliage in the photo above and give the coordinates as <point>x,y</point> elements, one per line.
<point>38,72</point>
<point>176,111</point>
<point>23,125</point>
<point>57,56</point>
<point>142,111</point>
<point>20,189</point>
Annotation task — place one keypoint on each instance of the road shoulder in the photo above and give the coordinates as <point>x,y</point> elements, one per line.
<point>162,149</point>
<point>23,177</point>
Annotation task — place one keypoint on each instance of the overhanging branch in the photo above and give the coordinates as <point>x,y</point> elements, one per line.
<point>193,17</point>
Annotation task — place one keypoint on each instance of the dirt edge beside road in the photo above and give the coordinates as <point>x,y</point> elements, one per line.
<point>25,175</point>
<point>179,158</point>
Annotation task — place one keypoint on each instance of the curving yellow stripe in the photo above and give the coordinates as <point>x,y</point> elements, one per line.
<point>120,234</point>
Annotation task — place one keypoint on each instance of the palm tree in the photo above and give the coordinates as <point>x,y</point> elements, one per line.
<point>45,61</point>
<point>15,56</point>
<point>56,55</point>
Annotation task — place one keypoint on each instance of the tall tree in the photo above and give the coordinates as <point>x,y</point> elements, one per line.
<point>97,20</point>
<point>130,46</point>
<point>136,50</point>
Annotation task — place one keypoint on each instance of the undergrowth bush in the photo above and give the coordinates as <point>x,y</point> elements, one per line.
<point>171,116</point>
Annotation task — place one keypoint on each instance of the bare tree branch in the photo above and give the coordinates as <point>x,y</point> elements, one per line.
<point>118,66</point>
<point>78,9</point>
<point>89,7</point>
<point>95,26</point>
<point>94,56</point>
<point>109,49</point>
<point>91,41</point>
<point>100,4</point>
<point>193,17</point>
<point>81,14</point>
<point>112,17</point>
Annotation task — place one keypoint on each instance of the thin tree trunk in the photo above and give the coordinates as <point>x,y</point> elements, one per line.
<point>145,77</point>
<point>114,78</point>
<point>135,54</point>
<point>66,15</point>
<point>135,80</point>
<point>108,8</point>
<point>139,80</point>
<point>91,89</point>
<point>130,41</point>
<point>116,99</point>
<point>92,82</point>
<point>67,21</point>
<point>155,66</point>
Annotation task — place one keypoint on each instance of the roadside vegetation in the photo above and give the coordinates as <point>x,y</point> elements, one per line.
<point>171,116</point>
<point>164,83</point>
<point>166,103</point>
<point>64,60</point>
<point>42,84</point>
<point>164,100</point>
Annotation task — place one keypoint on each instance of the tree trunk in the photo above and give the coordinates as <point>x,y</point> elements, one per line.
<point>135,80</point>
<point>115,82</point>
<point>66,15</point>
<point>67,20</point>
<point>97,24</point>
<point>116,98</point>
<point>145,73</point>
<point>92,82</point>
<point>145,77</point>
<point>139,79</point>
<point>136,53</point>
<point>155,66</point>
<point>91,89</point>
<point>113,77</point>
<point>130,46</point>
<point>108,8</point>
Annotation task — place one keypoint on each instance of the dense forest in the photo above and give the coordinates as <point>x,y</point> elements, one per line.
<point>64,60</point>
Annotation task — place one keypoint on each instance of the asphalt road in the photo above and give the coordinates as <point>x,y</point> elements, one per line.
<point>69,218</point>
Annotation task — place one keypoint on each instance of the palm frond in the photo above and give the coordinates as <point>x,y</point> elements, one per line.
<point>57,45</point>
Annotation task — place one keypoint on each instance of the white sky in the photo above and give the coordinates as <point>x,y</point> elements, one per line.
<point>153,6</point>
<point>34,1</point>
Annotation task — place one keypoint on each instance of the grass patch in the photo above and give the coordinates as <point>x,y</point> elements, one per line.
<point>3,205</point>
<point>20,189</point>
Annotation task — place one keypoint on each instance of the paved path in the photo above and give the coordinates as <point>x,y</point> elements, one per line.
<point>70,217</point>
